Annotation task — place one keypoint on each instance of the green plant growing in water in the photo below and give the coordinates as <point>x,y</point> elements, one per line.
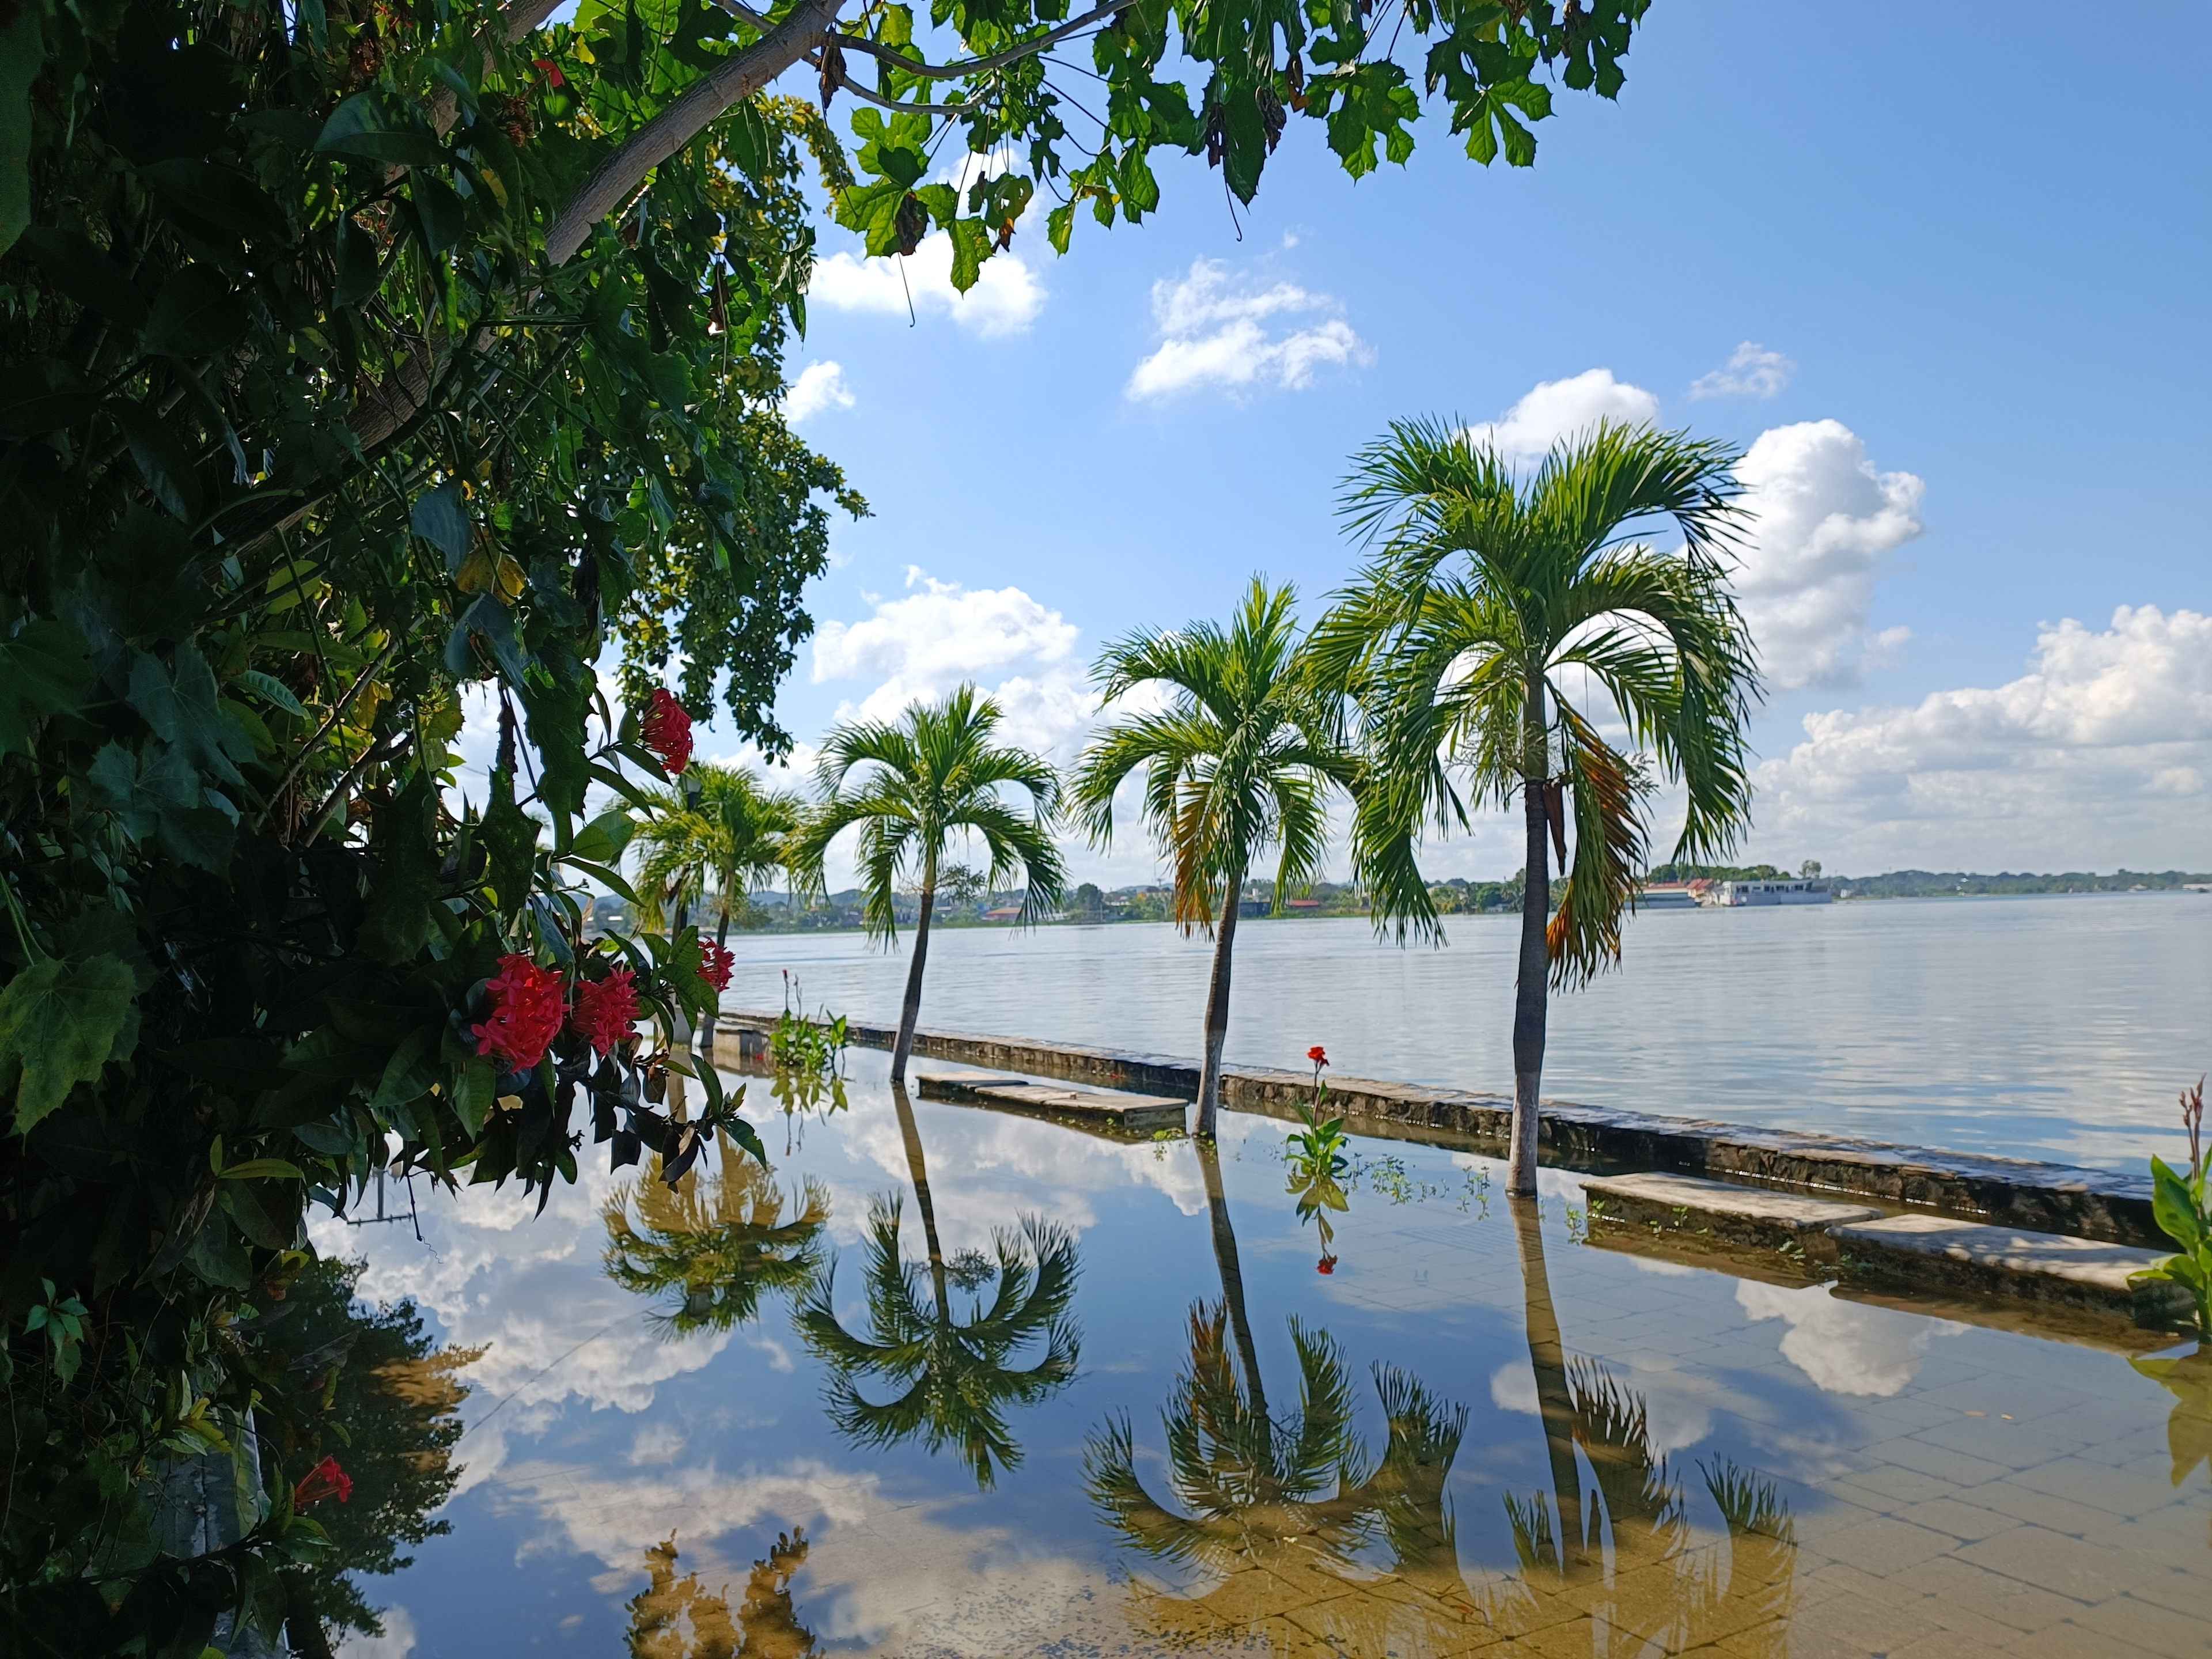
<point>801,1043</point>
<point>2177,1202</point>
<point>1318,1164</point>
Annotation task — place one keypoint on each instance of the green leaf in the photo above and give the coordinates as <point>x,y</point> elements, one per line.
<point>407,854</point>
<point>60,1023</point>
<point>196,315</point>
<point>439,518</point>
<point>357,127</point>
<point>2173,1207</point>
<point>182,706</point>
<point>604,875</point>
<point>359,267</point>
<point>263,1169</point>
<point>408,1073</point>
<point>971,246</point>
<point>219,196</point>
<point>42,395</point>
<point>22,50</point>
<point>75,264</point>
<point>510,835</point>
<point>44,670</point>
<point>475,1092</point>
<point>272,690</point>
<point>162,461</point>
<point>604,839</point>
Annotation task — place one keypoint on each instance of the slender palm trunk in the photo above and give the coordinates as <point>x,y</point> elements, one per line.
<point>721,938</point>
<point>910,1009</point>
<point>1528,1002</point>
<point>1547,1359</point>
<point>679,1039</point>
<point>1217,1009</point>
<point>1232,1274</point>
<point>918,1172</point>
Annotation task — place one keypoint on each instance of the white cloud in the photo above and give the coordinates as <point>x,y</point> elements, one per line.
<point>1005,300</point>
<point>2098,756</point>
<point>1214,332</point>
<point>1845,1347</point>
<point>396,1642</point>
<point>1824,523</point>
<point>1560,409</point>
<point>920,647</point>
<point>819,387</point>
<point>1753,372</point>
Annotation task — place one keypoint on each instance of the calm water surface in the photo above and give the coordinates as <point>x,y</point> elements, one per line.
<point>1479,1433</point>
<point>2039,1027</point>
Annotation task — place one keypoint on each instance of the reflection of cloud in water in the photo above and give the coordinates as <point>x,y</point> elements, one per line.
<point>1843,1346</point>
<point>888,1575</point>
<point>396,1642</point>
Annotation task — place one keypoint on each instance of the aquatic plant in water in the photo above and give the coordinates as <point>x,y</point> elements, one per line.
<point>2177,1202</point>
<point>812,1047</point>
<point>1317,1164</point>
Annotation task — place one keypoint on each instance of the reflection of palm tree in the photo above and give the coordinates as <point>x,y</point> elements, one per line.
<point>1279,1513</point>
<point>722,1241</point>
<point>677,1618</point>
<point>1660,1593</point>
<point>956,1368</point>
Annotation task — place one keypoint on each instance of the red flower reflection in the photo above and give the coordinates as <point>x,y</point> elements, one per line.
<point>1326,1265</point>
<point>526,1012</point>
<point>606,1010</point>
<point>326,1480</point>
<point>667,730</point>
<point>715,964</point>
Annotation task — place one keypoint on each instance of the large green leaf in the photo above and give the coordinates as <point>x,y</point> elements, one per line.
<point>183,706</point>
<point>43,671</point>
<point>60,1023</point>
<point>23,49</point>
<point>510,835</point>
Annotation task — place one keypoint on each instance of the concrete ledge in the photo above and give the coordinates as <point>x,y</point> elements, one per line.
<point>1139,1116</point>
<point>1755,1216</point>
<point>2055,1198</point>
<point>2078,1272</point>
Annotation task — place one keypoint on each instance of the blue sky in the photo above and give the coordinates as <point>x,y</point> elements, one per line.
<point>1976,248</point>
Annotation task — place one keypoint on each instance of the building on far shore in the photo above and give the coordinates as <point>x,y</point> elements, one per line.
<point>1669,896</point>
<point>1728,895</point>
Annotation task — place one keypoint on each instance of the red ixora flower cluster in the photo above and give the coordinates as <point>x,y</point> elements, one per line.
<point>526,1012</point>
<point>326,1480</point>
<point>607,1011</point>
<point>667,730</point>
<point>715,964</point>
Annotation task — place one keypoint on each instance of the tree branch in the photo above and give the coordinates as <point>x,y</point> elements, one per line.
<point>892,104</point>
<point>742,75</point>
<point>977,65</point>
<point>524,15</point>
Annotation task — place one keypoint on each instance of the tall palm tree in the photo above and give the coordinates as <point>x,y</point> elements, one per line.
<point>722,1241</point>
<point>1242,758</point>
<point>1501,622</point>
<point>957,1366</point>
<point>934,776</point>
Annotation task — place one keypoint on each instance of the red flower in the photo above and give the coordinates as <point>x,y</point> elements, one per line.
<point>526,1012</point>
<point>1326,1265</point>
<point>553,75</point>
<point>606,1010</point>
<point>667,730</point>
<point>326,1480</point>
<point>715,964</point>
<point>1318,1054</point>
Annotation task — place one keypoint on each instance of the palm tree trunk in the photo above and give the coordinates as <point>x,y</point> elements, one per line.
<point>1547,1359</point>
<point>1217,1009</point>
<point>722,939</point>
<point>679,1039</point>
<point>1528,1002</point>
<point>1232,1274</point>
<point>910,1009</point>
<point>918,1172</point>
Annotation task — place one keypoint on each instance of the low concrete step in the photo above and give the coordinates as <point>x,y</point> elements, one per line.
<point>1090,1109</point>
<point>1691,1206</point>
<point>2079,1272</point>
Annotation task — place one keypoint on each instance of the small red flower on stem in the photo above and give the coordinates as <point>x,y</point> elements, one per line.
<point>715,963</point>
<point>326,1480</point>
<point>607,1011</point>
<point>1326,1265</point>
<point>1319,1056</point>
<point>551,71</point>
<point>667,730</point>
<point>526,1012</point>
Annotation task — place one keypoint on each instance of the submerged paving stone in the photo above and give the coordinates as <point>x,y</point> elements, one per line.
<point>1121,1113</point>
<point>1731,1214</point>
<point>2079,1272</point>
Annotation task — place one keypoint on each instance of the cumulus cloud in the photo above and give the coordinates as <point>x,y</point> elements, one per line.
<point>1004,301</point>
<point>1216,333</point>
<point>2100,754</point>
<point>1753,372</point>
<point>819,387</point>
<point>397,1641</point>
<point>1845,1347</point>
<point>939,634</point>
<point>1560,409</point>
<point>1823,524</point>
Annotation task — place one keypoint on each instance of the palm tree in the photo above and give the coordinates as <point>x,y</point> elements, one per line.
<point>722,1241</point>
<point>956,1367</point>
<point>1501,622</point>
<point>726,840</point>
<point>1242,757</point>
<point>934,776</point>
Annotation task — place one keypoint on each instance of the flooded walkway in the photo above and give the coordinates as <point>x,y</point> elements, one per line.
<point>949,1381</point>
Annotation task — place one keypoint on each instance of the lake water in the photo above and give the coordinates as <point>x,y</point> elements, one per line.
<point>1745,1467</point>
<point>1478,1432</point>
<point>2050,1027</point>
